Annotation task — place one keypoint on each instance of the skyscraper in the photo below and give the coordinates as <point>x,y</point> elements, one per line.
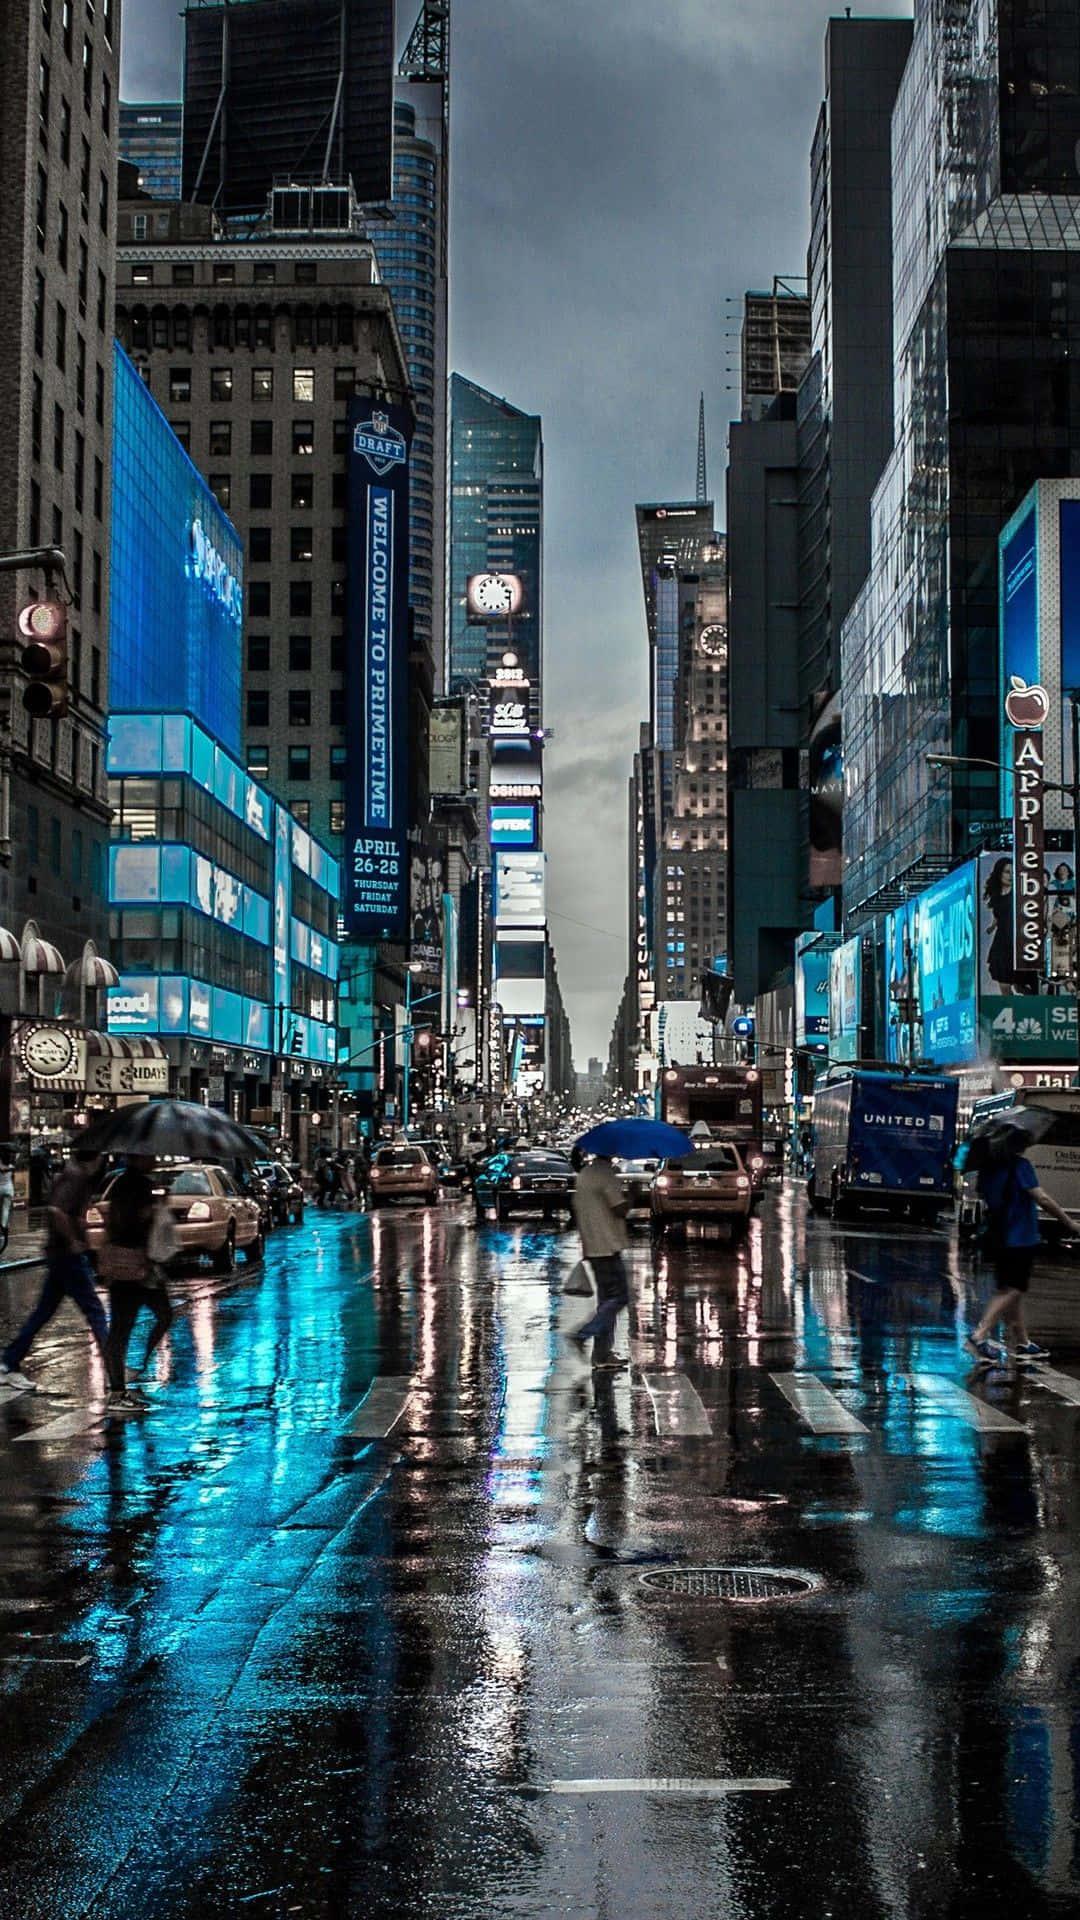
<point>496,526</point>
<point>986,336</point>
<point>151,136</point>
<point>58,108</point>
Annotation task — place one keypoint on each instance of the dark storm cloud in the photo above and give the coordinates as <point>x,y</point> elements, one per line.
<point>619,170</point>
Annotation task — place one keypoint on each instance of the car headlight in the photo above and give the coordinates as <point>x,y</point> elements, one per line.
<point>741,1182</point>
<point>663,1180</point>
<point>199,1210</point>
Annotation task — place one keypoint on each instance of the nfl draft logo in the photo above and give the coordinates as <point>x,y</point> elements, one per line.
<point>381,444</point>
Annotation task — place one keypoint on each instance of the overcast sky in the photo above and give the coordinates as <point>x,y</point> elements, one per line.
<point>620,174</point>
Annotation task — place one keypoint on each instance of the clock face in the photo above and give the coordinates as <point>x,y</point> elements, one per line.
<point>713,640</point>
<point>48,1052</point>
<point>495,594</point>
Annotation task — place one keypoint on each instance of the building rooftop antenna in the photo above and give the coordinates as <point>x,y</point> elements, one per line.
<point>702,483</point>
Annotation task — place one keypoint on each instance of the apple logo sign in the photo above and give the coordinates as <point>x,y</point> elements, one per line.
<point>1026,706</point>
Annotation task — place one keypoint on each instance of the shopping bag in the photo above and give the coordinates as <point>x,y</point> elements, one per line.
<point>579,1279</point>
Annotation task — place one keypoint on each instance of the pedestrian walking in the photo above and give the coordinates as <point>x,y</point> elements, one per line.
<point>600,1209</point>
<point>67,1269</point>
<point>139,1239</point>
<point>1011,1195</point>
<point>362,1174</point>
<point>348,1182</point>
<point>7,1195</point>
<point>322,1180</point>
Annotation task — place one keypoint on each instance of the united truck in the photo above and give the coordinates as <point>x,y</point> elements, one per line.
<point>885,1141</point>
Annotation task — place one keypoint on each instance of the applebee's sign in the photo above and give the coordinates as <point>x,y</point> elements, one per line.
<point>1026,709</point>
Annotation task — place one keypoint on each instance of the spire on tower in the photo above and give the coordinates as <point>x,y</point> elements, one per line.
<point>702,483</point>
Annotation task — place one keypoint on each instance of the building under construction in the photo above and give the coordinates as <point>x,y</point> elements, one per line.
<point>302,88</point>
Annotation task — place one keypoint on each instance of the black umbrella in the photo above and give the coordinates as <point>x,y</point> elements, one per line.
<point>178,1129</point>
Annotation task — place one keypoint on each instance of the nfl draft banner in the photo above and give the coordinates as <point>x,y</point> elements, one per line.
<point>1026,709</point>
<point>375,867</point>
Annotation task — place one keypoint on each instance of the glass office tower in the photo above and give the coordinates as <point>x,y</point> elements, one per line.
<point>496,526</point>
<point>986,263</point>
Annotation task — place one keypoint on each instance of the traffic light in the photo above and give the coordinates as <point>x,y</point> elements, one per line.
<point>424,1046</point>
<point>44,659</point>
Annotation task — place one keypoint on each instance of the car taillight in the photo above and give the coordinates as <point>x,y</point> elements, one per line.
<point>741,1182</point>
<point>93,1217</point>
<point>198,1210</point>
<point>516,1181</point>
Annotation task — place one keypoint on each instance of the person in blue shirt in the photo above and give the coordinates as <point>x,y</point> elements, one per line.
<point>1010,1191</point>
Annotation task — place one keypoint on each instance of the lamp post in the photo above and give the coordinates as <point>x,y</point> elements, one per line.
<point>1072,791</point>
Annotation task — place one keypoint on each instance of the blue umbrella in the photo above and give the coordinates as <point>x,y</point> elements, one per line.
<point>635,1140</point>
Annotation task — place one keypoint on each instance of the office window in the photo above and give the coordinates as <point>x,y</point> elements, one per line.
<point>337,599</point>
<point>79,470</point>
<point>54,844</point>
<point>258,707</point>
<point>301,812</point>
<point>262,383</point>
<point>337,816</point>
<point>221,436</point>
<point>37,392</point>
<point>221,383</point>
<point>102,300</point>
<point>305,273</point>
<point>299,763</point>
<point>339,492</point>
<point>337,706</point>
<point>301,545</point>
<point>87,76</point>
<point>106,103</point>
<point>344,382</point>
<point>339,544</point>
<point>62,234</point>
<point>300,708</point>
<point>95,581</point>
<point>262,436</point>
<point>258,594</point>
<point>182,430</point>
<point>35,514</point>
<point>303,490</point>
<point>261,491</point>
<point>337,653</point>
<point>258,759</point>
<point>58,438</point>
<point>259,545</point>
<point>65,131</point>
<point>303,438</point>
<point>83,284</point>
<point>303,385</point>
<point>337,763</point>
<point>103,202</point>
<point>99,394</point>
<point>76,857</point>
<point>99,488</point>
<point>43,98</point>
<point>299,599</point>
<point>265,273</point>
<point>258,653</point>
<point>33,835</point>
<point>224,273</point>
<point>221,487</point>
<point>183,275</point>
<point>84,180</point>
<point>299,653</point>
<point>41,208</point>
<point>341,436</point>
<point>180,386</point>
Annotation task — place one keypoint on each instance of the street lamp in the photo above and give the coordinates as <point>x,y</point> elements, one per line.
<point>1072,790</point>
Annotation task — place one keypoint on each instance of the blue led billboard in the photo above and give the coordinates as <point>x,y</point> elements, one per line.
<point>177,575</point>
<point>931,967</point>
<point>512,826</point>
<point>1018,619</point>
<point>375,876</point>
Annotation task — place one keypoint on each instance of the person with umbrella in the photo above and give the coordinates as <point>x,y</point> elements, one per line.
<point>600,1209</point>
<point>130,1265</point>
<point>1011,1195</point>
<point>67,1269</point>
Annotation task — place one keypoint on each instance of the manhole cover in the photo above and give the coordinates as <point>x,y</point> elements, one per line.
<point>728,1583</point>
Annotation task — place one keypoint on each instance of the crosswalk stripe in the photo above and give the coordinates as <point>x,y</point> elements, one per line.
<point>812,1401</point>
<point>677,1408</point>
<point>65,1427</point>
<point>381,1408</point>
<point>1061,1384</point>
<point>660,1783</point>
<point>966,1406</point>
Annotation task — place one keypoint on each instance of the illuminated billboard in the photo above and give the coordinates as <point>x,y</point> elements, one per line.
<point>1039,631</point>
<point>375,877</point>
<point>845,999</point>
<point>931,973</point>
<point>812,951</point>
<point>512,826</point>
<point>1015,1024</point>
<point>520,970</point>
<point>519,889</point>
<point>176,572</point>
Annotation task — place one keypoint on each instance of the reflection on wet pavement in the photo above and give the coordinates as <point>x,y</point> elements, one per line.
<point>353,1620</point>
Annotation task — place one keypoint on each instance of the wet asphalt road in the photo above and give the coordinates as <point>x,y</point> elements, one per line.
<point>359,1619</point>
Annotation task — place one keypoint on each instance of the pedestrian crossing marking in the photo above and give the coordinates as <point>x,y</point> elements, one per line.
<point>381,1408</point>
<point>965,1406</point>
<point>1061,1384</point>
<point>671,1784</point>
<point>65,1427</point>
<point>677,1408</point>
<point>812,1401</point>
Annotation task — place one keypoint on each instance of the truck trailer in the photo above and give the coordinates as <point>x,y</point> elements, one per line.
<point>883,1141</point>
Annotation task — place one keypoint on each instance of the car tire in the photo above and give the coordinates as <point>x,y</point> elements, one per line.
<point>739,1228</point>
<point>224,1260</point>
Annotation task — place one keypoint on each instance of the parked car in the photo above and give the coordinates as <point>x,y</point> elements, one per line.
<point>403,1172</point>
<point>285,1191</point>
<point>635,1177</point>
<point>527,1179</point>
<point>705,1187</point>
<point>209,1212</point>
